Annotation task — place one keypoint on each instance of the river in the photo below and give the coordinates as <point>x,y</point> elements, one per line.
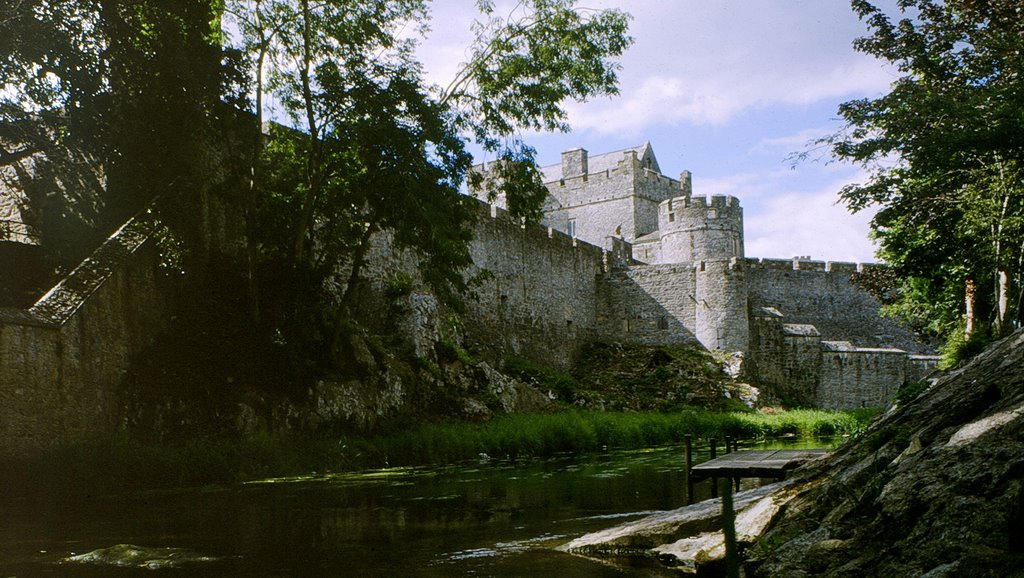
<point>489,518</point>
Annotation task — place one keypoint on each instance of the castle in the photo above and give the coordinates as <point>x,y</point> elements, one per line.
<point>625,255</point>
<point>805,329</point>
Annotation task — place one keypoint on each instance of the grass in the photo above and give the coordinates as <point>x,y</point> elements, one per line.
<point>124,465</point>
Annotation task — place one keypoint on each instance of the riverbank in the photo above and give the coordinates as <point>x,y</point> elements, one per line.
<point>123,465</point>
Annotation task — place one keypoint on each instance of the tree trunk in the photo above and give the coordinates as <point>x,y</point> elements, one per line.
<point>251,252</point>
<point>1002,324</point>
<point>312,126</point>
<point>358,260</point>
<point>970,306</point>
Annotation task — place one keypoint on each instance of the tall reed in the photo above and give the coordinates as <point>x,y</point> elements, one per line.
<point>124,464</point>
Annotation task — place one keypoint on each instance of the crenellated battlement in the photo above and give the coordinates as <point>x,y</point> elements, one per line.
<point>502,217</point>
<point>686,209</point>
<point>805,265</point>
<point>694,229</point>
<point>720,202</point>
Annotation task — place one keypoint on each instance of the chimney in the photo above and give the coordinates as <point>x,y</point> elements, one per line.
<point>686,183</point>
<point>574,163</point>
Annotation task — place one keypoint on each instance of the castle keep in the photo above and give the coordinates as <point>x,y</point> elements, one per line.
<point>805,329</point>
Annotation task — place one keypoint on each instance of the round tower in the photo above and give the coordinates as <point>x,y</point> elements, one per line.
<point>695,229</point>
<point>720,292</point>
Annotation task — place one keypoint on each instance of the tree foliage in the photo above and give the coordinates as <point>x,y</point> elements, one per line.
<point>132,88</point>
<point>373,151</point>
<point>945,149</point>
<point>521,70</point>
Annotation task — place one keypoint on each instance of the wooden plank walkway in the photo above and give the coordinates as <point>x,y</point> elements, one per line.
<point>754,463</point>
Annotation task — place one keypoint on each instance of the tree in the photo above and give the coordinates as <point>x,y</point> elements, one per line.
<point>377,152</point>
<point>133,88</point>
<point>944,148</point>
<point>51,73</point>
<point>167,122</point>
<point>521,70</point>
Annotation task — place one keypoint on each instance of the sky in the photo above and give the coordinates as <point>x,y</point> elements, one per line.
<point>729,90</point>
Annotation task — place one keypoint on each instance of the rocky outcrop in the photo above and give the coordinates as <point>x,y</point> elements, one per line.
<point>689,537</point>
<point>934,488</point>
<point>132,556</point>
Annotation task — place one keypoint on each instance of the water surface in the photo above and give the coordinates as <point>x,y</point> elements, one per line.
<point>488,518</point>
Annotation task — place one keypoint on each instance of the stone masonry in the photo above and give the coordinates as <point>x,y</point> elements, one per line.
<point>806,330</point>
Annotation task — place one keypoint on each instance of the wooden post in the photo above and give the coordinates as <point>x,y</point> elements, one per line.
<point>735,448</point>
<point>732,559</point>
<point>688,452</point>
<point>714,454</point>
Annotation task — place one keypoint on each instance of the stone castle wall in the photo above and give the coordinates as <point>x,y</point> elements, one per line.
<point>61,360</point>
<point>652,188</point>
<point>653,304</point>
<point>860,377</point>
<point>826,296</point>
<point>786,357</point>
<point>539,301</point>
<point>722,310</point>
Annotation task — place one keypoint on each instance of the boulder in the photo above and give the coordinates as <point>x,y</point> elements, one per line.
<point>130,555</point>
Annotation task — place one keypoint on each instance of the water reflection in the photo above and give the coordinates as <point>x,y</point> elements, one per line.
<point>493,519</point>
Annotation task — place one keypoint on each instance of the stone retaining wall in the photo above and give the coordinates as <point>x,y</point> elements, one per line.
<point>61,360</point>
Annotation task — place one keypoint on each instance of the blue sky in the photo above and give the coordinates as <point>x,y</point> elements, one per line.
<point>726,89</point>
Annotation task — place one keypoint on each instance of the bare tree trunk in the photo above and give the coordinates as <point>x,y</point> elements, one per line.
<point>970,305</point>
<point>358,260</point>
<point>1002,325</point>
<point>251,253</point>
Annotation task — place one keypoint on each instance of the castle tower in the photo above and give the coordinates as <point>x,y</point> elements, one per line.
<point>709,234</point>
<point>694,229</point>
<point>720,292</point>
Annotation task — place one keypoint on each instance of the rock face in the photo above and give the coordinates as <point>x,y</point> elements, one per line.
<point>934,488</point>
<point>689,537</point>
<point>129,555</point>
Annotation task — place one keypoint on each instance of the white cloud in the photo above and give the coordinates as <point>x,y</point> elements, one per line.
<point>705,63</point>
<point>791,142</point>
<point>809,223</point>
<point>701,63</point>
<point>787,213</point>
<point>746,186</point>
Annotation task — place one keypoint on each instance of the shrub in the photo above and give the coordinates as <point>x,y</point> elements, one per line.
<point>959,348</point>
<point>910,390</point>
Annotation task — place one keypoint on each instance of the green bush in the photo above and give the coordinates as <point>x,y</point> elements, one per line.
<point>399,286</point>
<point>544,378</point>
<point>910,390</point>
<point>450,351</point>
<point>958,348</point>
